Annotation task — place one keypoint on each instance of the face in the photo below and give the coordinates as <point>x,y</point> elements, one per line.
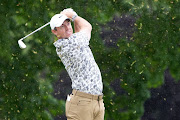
<point>64,31</point>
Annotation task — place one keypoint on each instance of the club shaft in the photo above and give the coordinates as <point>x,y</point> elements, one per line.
<point>35,31</point>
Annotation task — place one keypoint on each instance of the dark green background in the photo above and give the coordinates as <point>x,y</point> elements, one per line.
<point>138,63</point>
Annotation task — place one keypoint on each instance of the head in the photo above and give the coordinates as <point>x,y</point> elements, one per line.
<point>61,26</point>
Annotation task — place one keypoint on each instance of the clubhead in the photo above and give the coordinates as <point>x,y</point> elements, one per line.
<point>21,44</point>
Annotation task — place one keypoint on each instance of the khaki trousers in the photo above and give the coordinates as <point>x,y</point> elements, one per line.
<point>83,106</point>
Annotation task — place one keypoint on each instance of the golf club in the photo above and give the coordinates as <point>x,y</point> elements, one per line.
<point>21,43</point>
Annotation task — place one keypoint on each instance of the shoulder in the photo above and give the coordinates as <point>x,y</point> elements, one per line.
<point>79,35</point>
<point>57,43</point>
<point>76,38</point>
<point>60,42</point>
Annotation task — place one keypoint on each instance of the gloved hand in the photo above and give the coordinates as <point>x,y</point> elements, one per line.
<point>69,12</point>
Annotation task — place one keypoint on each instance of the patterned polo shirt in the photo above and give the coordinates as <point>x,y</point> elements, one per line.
<point>80,64</point>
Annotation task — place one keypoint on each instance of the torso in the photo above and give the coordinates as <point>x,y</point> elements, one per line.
<point>80,63</point>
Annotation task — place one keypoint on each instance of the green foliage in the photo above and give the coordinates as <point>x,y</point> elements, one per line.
<point>27,75</point>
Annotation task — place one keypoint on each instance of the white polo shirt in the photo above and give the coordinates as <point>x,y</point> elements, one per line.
<point>80,64</point>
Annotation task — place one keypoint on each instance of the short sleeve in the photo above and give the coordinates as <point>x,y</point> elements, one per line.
<point>57,44</point>
<point>80,38</point>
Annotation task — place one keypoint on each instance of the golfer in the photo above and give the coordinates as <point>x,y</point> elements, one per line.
<point>86,100</point>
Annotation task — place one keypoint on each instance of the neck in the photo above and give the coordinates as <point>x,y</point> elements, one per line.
<point>59,37</point>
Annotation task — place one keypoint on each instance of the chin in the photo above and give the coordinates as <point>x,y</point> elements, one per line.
<point>69,35</point>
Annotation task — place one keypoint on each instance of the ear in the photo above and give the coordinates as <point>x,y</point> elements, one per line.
<point>54,32</point>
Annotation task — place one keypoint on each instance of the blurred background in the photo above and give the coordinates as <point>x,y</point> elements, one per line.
<point>136,44</point>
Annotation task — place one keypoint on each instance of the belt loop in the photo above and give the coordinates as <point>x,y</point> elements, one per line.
<point>98,101</point>
<point>74,92</point>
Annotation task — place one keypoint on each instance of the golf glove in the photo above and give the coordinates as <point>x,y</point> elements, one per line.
<point>70,10</point>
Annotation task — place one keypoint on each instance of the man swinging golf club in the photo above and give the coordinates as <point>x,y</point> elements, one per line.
<point>86,100</point>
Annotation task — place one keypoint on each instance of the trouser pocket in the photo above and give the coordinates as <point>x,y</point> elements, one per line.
<point>83,101</point>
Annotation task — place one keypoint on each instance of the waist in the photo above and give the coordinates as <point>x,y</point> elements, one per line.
<point>86,95</point>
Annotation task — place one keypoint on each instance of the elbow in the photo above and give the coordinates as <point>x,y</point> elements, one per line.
<point>87,27</point>
<point>90,27</point>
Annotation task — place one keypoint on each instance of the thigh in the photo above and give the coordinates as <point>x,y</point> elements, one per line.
<point>100,115</point>
<point>69,105</point>
<point>79,108</point>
